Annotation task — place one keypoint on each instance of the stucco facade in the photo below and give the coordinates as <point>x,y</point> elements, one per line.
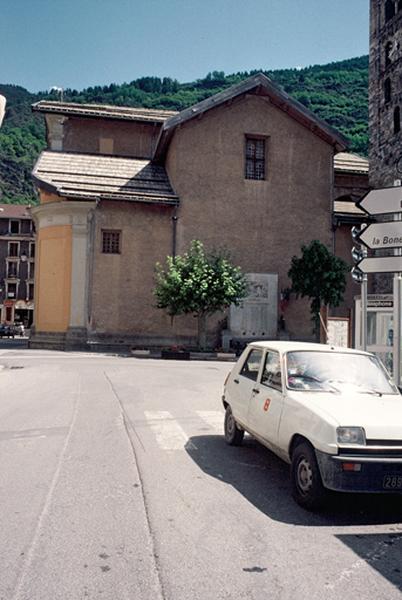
<point>192,187</point>
<point>262,223</point>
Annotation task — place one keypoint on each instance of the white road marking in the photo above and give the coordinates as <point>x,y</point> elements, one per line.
<point>168,433</point>
<point>214,418</point>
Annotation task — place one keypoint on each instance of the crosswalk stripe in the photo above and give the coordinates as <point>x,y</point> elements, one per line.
<point>168,433</point>
<point>214,418</point>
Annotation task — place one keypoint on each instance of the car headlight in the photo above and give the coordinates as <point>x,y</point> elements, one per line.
<point>351,435</point>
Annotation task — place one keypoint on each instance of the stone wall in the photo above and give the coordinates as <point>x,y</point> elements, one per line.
<point>385,93</point>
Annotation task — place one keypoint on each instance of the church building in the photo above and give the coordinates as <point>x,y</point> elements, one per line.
<point>249,170</point>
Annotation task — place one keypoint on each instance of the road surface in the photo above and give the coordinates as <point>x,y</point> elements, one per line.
<point>115,483</point>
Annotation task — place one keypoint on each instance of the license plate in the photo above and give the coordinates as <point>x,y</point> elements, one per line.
<point>392,482</point>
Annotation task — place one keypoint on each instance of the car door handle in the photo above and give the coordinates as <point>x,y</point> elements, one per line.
<point>236,380</point>
<point>256,391</point>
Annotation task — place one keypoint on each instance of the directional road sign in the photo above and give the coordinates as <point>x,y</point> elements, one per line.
<point>382,201</point>
<point>382,235</point>
<point>380,264</point>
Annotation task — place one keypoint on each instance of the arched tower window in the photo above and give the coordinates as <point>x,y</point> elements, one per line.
<point>397,119</point>
<point>389,10</point>
<point>388,52</point>
<point>387,90</point>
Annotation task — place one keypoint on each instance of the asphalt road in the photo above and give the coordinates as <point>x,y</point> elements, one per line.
<point>115,483</point>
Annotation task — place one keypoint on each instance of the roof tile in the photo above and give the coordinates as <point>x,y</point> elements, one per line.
<point>104,177</point>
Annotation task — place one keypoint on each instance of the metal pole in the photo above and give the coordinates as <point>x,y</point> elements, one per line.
<point>364,303</point>
<point>397,292</point>
<point>397,328</point>
<point>363,335</point>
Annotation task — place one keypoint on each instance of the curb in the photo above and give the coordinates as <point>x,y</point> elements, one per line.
<point>217,356</point>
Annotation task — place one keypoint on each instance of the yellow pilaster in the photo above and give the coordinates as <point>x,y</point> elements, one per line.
<point>53,278</point>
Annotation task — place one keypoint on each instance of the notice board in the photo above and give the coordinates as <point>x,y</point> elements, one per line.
<point>338,331</point>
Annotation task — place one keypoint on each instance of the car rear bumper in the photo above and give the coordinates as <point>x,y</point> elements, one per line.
<point>371,475</point>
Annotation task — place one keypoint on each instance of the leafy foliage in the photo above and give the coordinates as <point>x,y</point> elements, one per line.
<point>198,283</point>
<point>336,92</point>
<point>320,276</point>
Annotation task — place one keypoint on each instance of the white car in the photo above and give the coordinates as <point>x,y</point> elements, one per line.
<point>332,413</point>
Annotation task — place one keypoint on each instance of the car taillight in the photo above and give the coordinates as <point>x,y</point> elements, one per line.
<point>226,380</point>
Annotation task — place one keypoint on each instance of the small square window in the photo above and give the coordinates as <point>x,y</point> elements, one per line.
<point>14,227</point>
<point>13,248</point>
<point>111,242</point>
<point>255,158</point>
<point>106,145</point>
<point>12,269</point>
<point>11,290</point>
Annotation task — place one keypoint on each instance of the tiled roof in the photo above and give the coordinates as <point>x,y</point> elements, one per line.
<point>351,163</point>
<point>345,207</point>
<point>256,84</point>
<point>15,211</point>
<point>89,176</point>
<point>104,111</point>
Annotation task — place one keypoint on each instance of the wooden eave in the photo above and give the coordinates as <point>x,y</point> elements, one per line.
<point>103,111</point>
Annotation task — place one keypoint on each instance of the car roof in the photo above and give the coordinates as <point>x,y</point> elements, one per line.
<point>289,346</point>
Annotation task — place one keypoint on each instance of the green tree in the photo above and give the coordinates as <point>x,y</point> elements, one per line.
<point>198,283</point>
<point>320,276</point>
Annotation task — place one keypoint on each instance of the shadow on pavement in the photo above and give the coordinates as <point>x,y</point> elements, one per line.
<point>13,344</point>
<point>263,479</point>
<point>381,551</point>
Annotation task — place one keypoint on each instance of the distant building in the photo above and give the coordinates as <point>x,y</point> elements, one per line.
<point>249,169</point>
<point>17,264</point>
<point>385,92</point>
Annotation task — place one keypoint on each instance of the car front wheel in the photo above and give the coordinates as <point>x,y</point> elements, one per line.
<point>307,487</point>
<point>233,435</point>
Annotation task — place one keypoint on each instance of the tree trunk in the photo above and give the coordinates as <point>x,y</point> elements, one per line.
<point>315,312</point>
<point>202,331</point>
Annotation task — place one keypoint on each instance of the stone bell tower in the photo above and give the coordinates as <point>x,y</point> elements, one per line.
<point>385,92</point>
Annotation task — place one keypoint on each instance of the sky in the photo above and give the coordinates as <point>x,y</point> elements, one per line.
<point>81,43</point>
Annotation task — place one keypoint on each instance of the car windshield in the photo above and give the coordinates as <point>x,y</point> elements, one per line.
<point>337,372</point>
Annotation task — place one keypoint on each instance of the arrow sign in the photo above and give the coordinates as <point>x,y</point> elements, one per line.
<point>382,235</point>
<point>381,264</point>
<point>382,201</point>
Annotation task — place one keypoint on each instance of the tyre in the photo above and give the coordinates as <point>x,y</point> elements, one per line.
<point>233,435</point>
<point>307,487</point>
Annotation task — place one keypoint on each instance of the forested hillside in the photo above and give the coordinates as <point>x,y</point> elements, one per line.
<point>336,92</point>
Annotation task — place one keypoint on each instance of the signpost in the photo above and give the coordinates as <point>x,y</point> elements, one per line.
<point>382,201</point>
<point>382,236</point>
<point>381,264</point>
<point>378,236</point>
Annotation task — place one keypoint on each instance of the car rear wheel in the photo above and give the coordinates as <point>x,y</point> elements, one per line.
<point>233,435</point>
<point>307,487</point>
